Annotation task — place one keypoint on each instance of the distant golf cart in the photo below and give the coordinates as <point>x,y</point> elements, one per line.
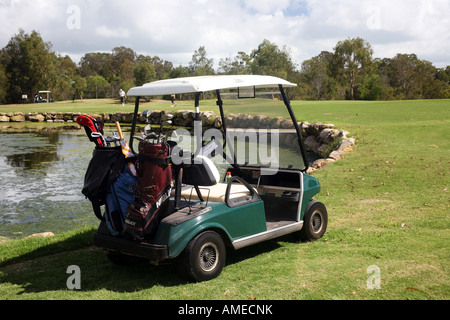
<point>232,187</point>
<point>39,99</point>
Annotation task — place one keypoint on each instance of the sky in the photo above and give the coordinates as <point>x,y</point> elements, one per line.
<point>174,29</point>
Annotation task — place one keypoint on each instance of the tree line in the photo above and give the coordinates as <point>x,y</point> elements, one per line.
<point>28,64</point>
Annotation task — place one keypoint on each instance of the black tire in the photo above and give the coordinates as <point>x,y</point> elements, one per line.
<point>204,257</point>
<point>315,221</point>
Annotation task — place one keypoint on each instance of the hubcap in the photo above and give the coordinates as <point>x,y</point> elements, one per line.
<point>209,256</point>
<point>317,221</point>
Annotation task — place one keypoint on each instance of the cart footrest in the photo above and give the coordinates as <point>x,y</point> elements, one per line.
<point>154,252</point>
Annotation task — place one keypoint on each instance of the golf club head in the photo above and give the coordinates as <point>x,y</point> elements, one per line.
<point>152,136</point>
<point>147,114</point>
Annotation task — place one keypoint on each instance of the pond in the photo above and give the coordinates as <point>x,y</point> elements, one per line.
<point>41,176</point>
<point>42,170</point>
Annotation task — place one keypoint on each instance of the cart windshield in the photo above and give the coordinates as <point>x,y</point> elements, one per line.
<point>259,131</point>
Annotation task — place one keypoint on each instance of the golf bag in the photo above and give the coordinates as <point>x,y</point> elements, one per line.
<point>104,168</point>
<point>153,189</point>
<point>119,196</point>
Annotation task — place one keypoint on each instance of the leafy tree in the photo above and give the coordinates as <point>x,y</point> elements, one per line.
<point>144,71</point>
<point>351,57</point>
<point>239,65</point>
<point>120,55</point>
<point>269,59</point>
<point>3,84</point>
<point>96,63</point>
<point>315,73</point>
<point>162,67</point>
<point>370,88</point>
<point>97,87</point>
<point>79,85</point>
<point>65,73</point>
<point>200,65</point>
<point>28,65</point>
<point>179,72</point>
<point>126,71</point>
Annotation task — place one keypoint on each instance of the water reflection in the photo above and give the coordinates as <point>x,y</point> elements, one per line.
<point>29,148</point>
<point>41,176</point>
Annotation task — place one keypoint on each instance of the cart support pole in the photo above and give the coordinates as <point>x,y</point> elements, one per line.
<point>297,128</point>
<point>197,106</point>
<point>133,127</point>
<point>225,135</point>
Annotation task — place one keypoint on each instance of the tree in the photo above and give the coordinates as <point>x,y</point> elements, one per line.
<point>28,65</point>
<point>179,72</point>
<point>65,73</point>
<point>3,84</point>
<point>315,73</point>
<point>268,59</point>
<point>78,86</point>
<point>351,57</point>
<point>144,71</point>
<point>126,71</point>
<point>97,63</point>
<point>371,87</point>
<point>239,65</point>
<point>162,67</point>
<point>97,87</point>
<point>200,65</point>
<point>120,55</point>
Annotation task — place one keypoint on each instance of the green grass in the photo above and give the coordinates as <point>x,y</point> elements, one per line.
<point>388,204</point>
<point>91,106</point>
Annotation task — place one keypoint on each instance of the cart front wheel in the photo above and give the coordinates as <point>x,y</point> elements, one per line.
<point>315,221</point>
<point>204,257</point>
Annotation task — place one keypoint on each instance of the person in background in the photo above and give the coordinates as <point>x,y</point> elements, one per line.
<point>123,96</point>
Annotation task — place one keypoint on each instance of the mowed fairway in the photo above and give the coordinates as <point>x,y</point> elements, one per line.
<point>388,203</point>
<point>388,234</point>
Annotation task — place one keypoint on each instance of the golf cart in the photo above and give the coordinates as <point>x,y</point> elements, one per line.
<point>39,99</point>
<point>230,187</point>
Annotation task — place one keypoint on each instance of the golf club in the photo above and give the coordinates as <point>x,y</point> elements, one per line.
<point>98,135</point>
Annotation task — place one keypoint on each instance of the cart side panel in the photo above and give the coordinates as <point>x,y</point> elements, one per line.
<point>236,223</point>
<point>311,187</point>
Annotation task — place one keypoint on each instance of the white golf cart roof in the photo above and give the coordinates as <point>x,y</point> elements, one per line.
<point>206,83</point>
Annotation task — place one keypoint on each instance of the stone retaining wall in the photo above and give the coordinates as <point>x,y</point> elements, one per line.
<point>324,140</point>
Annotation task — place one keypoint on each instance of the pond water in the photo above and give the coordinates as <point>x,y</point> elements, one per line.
<point>42,172</point>
<point>41,177</point>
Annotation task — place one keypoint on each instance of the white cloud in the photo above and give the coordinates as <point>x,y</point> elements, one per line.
<point>174,29</point>
<point>104,31</point>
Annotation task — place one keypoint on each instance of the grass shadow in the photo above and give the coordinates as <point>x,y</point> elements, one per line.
<point>45,268</point>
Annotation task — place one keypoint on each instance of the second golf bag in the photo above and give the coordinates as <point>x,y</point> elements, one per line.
<point>153,188</point>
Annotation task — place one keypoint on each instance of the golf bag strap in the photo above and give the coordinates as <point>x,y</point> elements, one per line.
<point>98,212</point>
<point>160,161</point>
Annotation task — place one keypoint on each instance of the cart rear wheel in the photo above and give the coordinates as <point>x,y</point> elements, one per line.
<point>204,257</point>
<point>315,221</point>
